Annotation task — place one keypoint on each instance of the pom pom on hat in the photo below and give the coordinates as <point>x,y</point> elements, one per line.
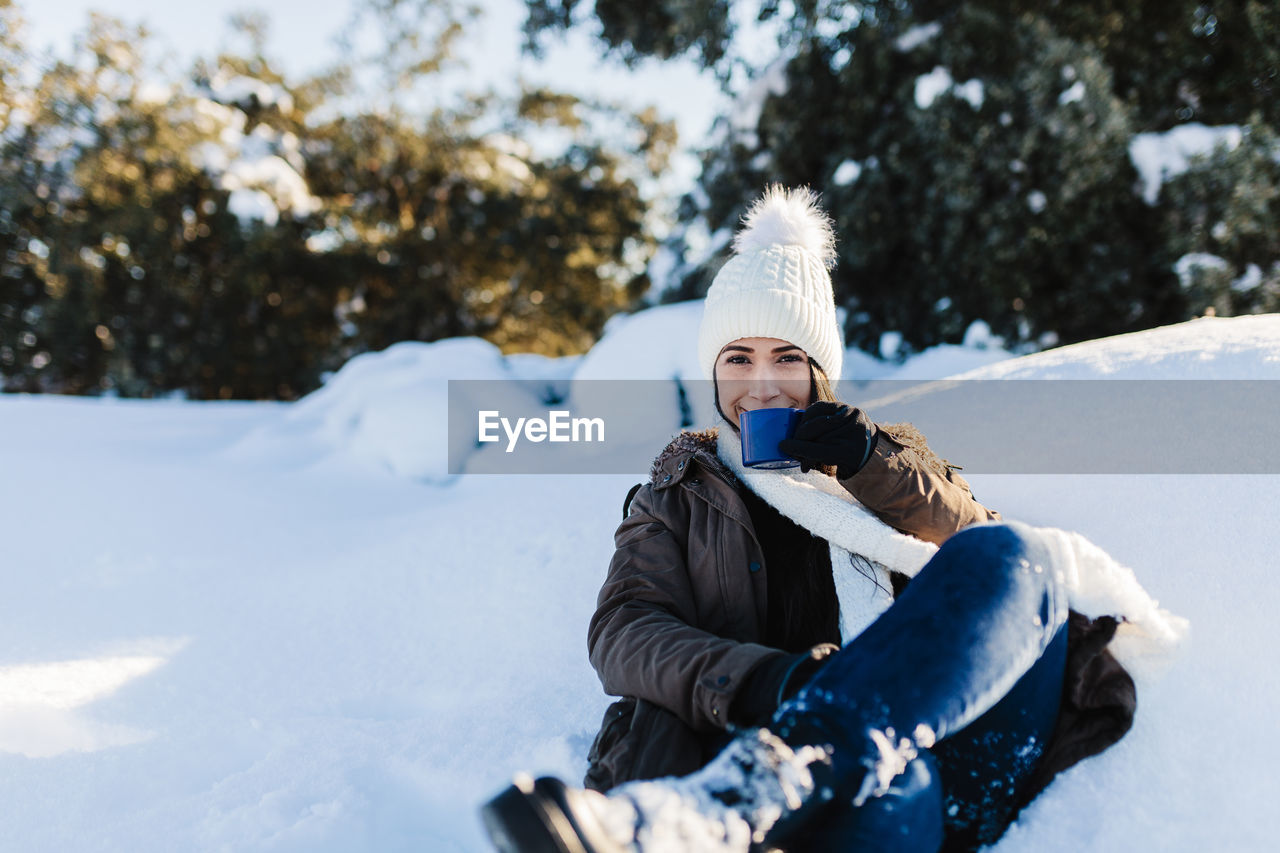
<point>783,217</point>
<point>777,285</point>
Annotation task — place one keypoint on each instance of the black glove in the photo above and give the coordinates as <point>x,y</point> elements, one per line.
<point>832,434</point>
<point>774,681</point>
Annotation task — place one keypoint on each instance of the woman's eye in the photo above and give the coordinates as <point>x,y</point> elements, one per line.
<point>736,359</point>
<point>790,357</point>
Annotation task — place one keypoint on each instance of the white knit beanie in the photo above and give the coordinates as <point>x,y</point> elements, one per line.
<point>776,284</point>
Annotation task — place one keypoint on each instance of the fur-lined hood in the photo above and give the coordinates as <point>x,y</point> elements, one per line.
<point>700,443</point>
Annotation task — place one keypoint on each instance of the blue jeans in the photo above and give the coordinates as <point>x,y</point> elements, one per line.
<point>967,667</point>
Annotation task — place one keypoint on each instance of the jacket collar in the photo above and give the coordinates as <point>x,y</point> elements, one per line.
<point>675,461</point>
<point>698,449</point>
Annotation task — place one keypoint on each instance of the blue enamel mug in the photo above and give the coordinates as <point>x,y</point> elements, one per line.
<point>762,429</point>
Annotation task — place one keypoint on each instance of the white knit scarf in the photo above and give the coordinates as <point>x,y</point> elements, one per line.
<point>1096,584</point>
<point>819,504</point>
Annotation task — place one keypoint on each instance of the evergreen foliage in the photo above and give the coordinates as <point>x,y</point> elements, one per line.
<point>637,30</point>
<point>978,157</point>
<point>229,233</point>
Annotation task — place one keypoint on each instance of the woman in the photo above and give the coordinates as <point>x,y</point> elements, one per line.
<point>731,590</point>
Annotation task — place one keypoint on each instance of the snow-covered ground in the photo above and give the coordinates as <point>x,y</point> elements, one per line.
<point>287,627</point>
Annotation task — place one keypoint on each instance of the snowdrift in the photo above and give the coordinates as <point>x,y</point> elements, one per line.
<point>268,627</point>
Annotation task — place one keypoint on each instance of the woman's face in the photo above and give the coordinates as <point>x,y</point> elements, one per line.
<point>761,373</point>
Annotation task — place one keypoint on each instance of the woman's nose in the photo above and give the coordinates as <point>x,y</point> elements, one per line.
<point>764,385</point>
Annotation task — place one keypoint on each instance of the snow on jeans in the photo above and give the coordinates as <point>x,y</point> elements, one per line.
<point>938,712</point>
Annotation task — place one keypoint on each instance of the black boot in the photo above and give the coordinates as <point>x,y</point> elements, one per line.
<point>545,816</point>
<point>729,805</point>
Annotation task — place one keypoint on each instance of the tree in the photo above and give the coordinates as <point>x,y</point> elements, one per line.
<point>451,231</point>
<point>139,278</point>
<point>977,157</point>
<point>228,233</point>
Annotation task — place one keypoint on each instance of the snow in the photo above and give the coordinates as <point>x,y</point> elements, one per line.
<point>507,162</point>
<point>890,344</point>
<point>1252,278</point>
<point>1073,94</point>
<point>656,344</point>
<point>653,344</point>
<point>239,89</point>
<point>151,92</point>
<point>701,244</point>
<point>916,36</point>
<point>938,81</point>
<point>663,269</point>
<point>971,91</point>
<point>382,410</point>
<point>262,169</point>
<point>772,81</point>
<point>261,626</point>
<point>859,365</point>
<point>211,117</point>
<point>979,336</point>
<point>685,816</point>
<point>1190,264</point>
<point>324,241</point>
<point>37,702</point>
<point>846,173</point>
<point>1207,348</point>
<point>943,360</point>
<point>38,247</point>
<point>252,205</point>
<point>273,179</point>
<point>1158,157</point>
<point>930,86</point>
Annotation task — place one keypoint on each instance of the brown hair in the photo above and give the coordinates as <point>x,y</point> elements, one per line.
<point>822,388</point>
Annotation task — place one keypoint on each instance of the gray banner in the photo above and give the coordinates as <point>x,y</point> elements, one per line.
<point>982,426</point>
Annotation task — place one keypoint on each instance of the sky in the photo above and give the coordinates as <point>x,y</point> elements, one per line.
<point>300,37</point>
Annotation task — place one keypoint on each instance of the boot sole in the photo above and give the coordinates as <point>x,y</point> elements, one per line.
<point>534,817</point>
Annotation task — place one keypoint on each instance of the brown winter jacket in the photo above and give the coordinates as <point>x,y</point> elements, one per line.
<point>682,610</point>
